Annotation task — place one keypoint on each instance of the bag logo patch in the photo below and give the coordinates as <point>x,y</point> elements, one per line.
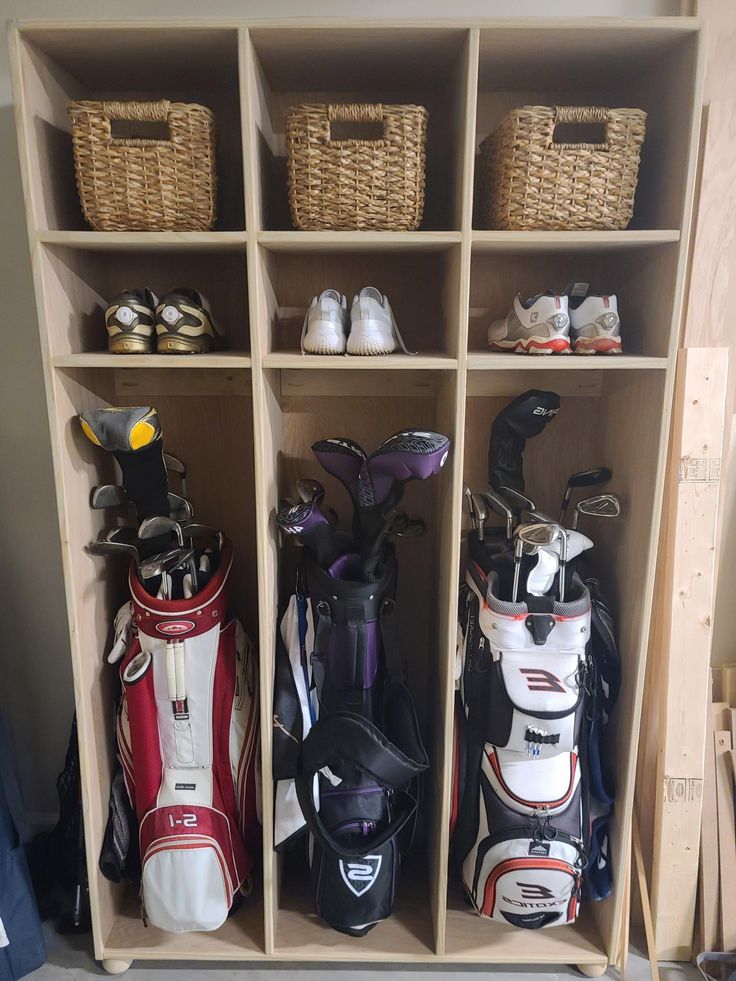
<point>531,890</point>
<point>176,627</point>
<point>360,875</point>
<point>539,848</point>
<point>538,679</point>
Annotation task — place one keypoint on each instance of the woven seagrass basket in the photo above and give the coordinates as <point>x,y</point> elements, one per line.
<point>145,184</point>
<point>356,184</point>
<point>531,182</point>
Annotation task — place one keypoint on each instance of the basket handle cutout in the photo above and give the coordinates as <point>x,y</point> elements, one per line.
<point>581,127</point>
<point>139,122</point>
<point>360,122</point>
<point>140,131</point>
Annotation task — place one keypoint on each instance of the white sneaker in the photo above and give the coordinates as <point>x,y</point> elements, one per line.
<point>325,324</point>
<point>539,325</point>
<point>594,321</point>
<point>373,329</point>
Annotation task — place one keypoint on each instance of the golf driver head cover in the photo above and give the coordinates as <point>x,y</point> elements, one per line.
<point>343,458</point>
<point>133,436</point>
<point>523,418</point>
<point>376,482</point>
<point>306,521</point>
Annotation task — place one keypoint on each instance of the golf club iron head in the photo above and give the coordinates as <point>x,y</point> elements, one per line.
<point>592,477</point>
<point>157,565</point>
<point>107,548</point>
<point>516,500</point>
<point>195,529</point>
<point>480,510</point>
<point>599,506</point>
<point>470,498</point>
<point>496,503</point>
<point>109,496</point>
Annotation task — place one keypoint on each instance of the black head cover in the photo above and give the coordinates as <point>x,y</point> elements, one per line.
<point>526,416</point>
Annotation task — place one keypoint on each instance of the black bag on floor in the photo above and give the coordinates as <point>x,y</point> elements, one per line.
<point>359,761</point>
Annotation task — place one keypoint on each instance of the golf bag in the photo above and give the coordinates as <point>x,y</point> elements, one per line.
<point>347,748</point>
<point>536,678</point>
<point>535,683</point>
<point>187,736</point>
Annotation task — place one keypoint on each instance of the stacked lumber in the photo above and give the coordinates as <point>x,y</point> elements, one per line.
<point>670,779</point>
<point>717,874</point>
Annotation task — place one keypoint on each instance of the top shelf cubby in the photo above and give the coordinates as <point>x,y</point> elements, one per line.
<point>423,66</point>
<point>640,66</point>
<point>125,63</point>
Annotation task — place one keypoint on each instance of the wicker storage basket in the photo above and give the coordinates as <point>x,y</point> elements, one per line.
<point>356,184</point>
<point>142,184</point>
<point>531,182</point>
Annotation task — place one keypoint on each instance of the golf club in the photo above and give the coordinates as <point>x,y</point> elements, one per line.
<point>109,496</point>
<point>194,529</point>
<point>535,535</point>
<point>306,521</point>
<point>113,496</point>
<point>310,490</point>
<point>496,503</point>
<point>164,562</point>
<point>600,506</point>
<point>113,548</point>
<point>158,526</point>
<point>480,510</point>
<point>121,533</point>
<point>592,477</point>
<point>470,498</point>
<point>175,465</point>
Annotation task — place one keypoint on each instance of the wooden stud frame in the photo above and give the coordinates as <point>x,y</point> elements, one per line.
<point>244,419</point>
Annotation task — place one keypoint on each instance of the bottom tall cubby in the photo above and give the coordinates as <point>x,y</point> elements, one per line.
<point>244,417</point>
<point>611,417</point>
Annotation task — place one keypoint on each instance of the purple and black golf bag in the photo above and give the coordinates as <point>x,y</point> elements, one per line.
<point>348,753</point>
<point>537,676</point>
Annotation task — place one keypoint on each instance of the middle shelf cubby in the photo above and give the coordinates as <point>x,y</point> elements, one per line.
<point>421,284</point>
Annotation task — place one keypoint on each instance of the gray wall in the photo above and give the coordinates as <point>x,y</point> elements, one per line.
<point>35,677</point>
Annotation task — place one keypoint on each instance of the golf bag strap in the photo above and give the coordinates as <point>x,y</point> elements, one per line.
<point>353,646</point>
<point>395,667</point>
<point>348,737</point>
<point>321,646</point>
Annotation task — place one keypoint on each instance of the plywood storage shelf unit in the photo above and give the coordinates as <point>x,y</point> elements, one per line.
<point>244,419</point>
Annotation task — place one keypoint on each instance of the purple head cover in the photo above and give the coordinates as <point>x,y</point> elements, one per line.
<point>412,454</point>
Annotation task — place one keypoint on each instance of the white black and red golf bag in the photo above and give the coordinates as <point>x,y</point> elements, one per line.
<point>537,676</point>
<point>188,739</point>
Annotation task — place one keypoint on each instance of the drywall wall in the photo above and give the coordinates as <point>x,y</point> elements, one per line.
<point>35,678</point>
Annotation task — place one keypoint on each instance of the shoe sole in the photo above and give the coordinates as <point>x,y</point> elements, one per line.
<point>174,344</point>
<point>369,337</point>
<point>598,345</point>
<point>535,345</point>
<point>127,344</point>
<point>324,338</point>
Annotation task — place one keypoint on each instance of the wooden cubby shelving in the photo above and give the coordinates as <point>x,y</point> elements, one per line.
<point>244,418</point>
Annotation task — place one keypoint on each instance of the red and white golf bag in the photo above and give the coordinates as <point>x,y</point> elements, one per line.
<point>188,739</point>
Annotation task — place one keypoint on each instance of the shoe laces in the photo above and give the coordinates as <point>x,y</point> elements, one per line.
<point>399,338</point>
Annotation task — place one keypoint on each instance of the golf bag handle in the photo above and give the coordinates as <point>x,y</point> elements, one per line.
<point>347,737</point>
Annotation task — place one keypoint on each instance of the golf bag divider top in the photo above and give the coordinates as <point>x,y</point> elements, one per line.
<point>188,740</point>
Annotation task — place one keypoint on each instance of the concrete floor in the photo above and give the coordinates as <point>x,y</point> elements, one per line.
<point>69,959</point>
